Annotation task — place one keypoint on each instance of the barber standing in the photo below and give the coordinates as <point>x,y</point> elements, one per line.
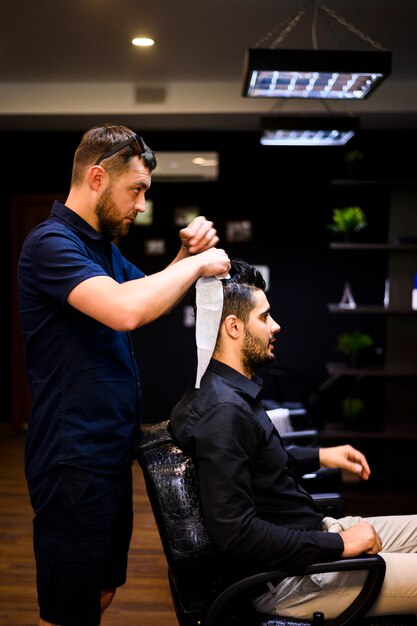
<point>79,298</point>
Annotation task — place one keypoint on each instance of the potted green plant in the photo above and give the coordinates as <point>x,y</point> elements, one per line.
<point>352,407</point>
<point>354,163</point>
<point>353,343</point>
<point>348,220</point>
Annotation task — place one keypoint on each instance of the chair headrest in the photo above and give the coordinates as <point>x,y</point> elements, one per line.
<point>153,436</point>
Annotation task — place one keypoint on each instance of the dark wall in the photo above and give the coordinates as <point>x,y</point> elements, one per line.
<point>285,193</point>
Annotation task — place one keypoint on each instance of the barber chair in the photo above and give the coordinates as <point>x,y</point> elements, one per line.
<point>205,590</point>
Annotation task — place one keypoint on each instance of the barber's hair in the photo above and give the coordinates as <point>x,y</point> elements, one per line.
<point>238,289</point>
<point>99,140</point>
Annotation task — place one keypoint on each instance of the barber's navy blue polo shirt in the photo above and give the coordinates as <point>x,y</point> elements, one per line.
<point>83,377</point>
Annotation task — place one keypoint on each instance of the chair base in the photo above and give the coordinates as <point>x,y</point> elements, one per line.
<point>386,620</point>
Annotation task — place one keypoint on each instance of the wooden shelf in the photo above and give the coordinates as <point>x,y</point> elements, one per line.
<point>356,182</point>
<point>348,435</point>
<point>340,369</point>
<point>383,247</point>
<point>371,308</point>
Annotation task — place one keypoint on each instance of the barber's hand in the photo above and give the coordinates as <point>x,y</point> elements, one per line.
<point>361,538</point>
<point>215,262</point>
<point>199,235</point>
<point>347,458</point>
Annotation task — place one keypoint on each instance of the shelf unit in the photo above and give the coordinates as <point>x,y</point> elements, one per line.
<point>384,247</point>
<point>400,368</point>
<point>338,369</point>
<point>371,308</point>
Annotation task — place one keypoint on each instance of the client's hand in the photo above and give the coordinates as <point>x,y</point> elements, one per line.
<point>347,458</point>
<point>361,537</point>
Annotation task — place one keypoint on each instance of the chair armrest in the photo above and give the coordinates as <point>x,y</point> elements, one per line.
<point>300,437</point>
<point>332,504</point>
<point>374,564</point>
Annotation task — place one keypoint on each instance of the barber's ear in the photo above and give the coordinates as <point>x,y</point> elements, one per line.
<point>97,175</point>
<point>233,326</point>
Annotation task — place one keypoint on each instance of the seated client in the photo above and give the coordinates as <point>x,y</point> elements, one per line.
<point>257,513</point>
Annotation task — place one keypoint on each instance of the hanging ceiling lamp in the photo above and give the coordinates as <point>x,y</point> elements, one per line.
<point>317,74</point>
<point>308,131</point>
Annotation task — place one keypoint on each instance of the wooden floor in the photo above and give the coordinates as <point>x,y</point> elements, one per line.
<point>145,599</point>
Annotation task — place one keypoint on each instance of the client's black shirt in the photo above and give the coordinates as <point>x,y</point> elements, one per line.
<point>255,510</point>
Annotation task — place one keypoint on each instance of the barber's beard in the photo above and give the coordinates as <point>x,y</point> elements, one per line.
<point>109,216</point>
<point>255,352</point>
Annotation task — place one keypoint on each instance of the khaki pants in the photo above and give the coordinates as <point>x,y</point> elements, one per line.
<point>331,593</point>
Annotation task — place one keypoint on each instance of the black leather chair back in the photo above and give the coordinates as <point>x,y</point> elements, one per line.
<point>173,492</point>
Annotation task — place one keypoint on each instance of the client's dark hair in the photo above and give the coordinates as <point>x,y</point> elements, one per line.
<point>238,289</point>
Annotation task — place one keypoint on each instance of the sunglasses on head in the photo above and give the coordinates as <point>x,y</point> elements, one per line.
<point>136,143</point>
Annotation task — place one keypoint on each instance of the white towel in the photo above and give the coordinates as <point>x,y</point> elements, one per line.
<point>209,302</point>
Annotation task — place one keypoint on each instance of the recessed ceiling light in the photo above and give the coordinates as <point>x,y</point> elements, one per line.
<point>143,41</point>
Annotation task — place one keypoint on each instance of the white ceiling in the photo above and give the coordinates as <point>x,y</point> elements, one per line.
<point>65,64</point>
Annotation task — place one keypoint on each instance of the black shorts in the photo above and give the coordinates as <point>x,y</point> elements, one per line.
<point>81,535</point>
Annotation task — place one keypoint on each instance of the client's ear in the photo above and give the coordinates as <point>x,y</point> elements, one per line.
<point>233,326</point>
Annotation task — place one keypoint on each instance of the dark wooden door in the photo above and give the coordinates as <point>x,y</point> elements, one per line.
<point>27,211</point>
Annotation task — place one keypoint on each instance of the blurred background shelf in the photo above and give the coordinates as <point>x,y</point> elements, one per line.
<point>371,308</point>
<point>339,369</point>
<point>382,247</point>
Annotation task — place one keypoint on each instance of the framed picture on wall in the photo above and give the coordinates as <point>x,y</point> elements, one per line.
<point>155,247</point>
<point>183,215</point>
<point>238,231</point>
<point>146,218</point>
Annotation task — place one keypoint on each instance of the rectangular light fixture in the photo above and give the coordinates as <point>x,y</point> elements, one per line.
<point>307,131</point>
<point>320,74</point>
